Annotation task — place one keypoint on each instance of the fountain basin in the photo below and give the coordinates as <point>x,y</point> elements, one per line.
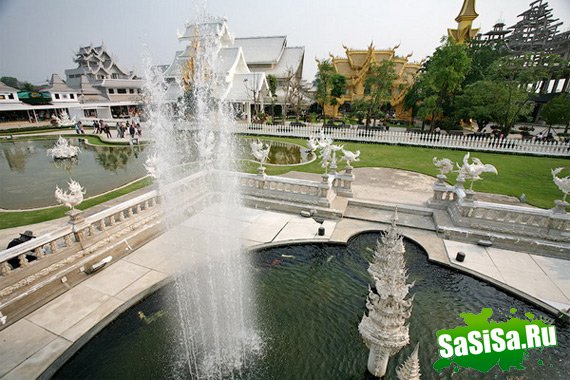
<point>310,299</point>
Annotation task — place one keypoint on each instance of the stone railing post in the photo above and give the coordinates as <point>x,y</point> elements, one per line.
<point>77,221</point>
<point>343,185</point>
<point>560,207</point>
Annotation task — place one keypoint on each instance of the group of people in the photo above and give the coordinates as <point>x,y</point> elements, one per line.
<point>79,128</point>
<point>134,129</point>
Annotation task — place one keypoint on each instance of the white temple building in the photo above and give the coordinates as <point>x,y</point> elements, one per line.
<point>105,89</point>
<point>241,66</point>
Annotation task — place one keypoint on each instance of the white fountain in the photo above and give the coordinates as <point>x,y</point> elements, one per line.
<point>216,312</point>
<point>63,149</point>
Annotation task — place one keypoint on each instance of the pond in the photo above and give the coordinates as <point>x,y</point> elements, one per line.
<point>310,300</point>
<point>29,176</point>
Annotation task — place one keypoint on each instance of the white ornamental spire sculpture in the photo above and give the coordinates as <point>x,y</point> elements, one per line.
<point>384,329</point>
<point>410,369</point>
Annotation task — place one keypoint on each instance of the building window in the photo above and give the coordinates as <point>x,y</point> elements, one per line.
<point>2,97</point>
<point>131,91</point>
<point>111,91</point>
<point>71,96</point>
<point>10,96</point>
<point>56,96</point>
<point>138,90</point>
<point>121,91</point>
<point>115,76</point>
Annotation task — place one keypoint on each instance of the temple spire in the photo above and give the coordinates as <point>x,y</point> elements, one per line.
<point>467,12</point>
<point>384,327</point>
<point>464,31</point>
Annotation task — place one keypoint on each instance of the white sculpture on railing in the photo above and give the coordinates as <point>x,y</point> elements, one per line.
<point>72,198</point>
<point>384,329</point>
<point>473,171</point>
<point>444,165</point>
<point>350,156</point>
<point>312,144</point>
<point>62,149</point>
<point>562,183</point>
<point>63,120</point>
<point>260,151</point>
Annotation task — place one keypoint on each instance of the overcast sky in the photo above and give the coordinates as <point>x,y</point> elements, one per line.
<point>39,37</point>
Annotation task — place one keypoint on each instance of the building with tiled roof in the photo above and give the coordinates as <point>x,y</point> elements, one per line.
<point>241,67</point>
<point>60,91</point>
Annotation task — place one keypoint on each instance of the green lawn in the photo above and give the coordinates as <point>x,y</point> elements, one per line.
<point>21,218</point>
<point>517,174</point>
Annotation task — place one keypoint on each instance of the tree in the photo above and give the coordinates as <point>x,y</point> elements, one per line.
<point>10,81</point>
<point>557,111</point>
<point>493,101</point>
<point>330,85</point>
<point>442,80</point>
<point>378,86</point>
<point>272,83</point>
<point>516,81</point>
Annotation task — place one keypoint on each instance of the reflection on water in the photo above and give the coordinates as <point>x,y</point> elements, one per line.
<point>16,155</point>
<point>311,299</point>
<point>29,176</point>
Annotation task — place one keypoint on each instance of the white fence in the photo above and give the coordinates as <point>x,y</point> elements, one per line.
<point>370,135</point>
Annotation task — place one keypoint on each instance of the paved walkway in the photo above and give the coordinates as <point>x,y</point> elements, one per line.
<point>29,346</point>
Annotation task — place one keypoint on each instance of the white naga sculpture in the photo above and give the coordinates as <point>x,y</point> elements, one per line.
<point>62,149</point>
<point>473,171</point>
<point>562,183</point>
<point>63,120</point>
<point>71,198</point>
<point>260,151</point>
<point>384,329</point>
<point>444,165</point>
<point>350,156</point>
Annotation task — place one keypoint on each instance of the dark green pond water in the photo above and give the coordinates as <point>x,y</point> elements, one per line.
<point>309,309</point>
<point>29,176</point>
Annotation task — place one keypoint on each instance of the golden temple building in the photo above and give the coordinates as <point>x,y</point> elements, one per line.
<point>464,31</point>
<point>355,67</point>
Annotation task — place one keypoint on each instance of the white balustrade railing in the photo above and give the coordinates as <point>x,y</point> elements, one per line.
<point>72,238</point>
<point>287,189</point>
<point>370,135</point>
<point>508,219</point>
